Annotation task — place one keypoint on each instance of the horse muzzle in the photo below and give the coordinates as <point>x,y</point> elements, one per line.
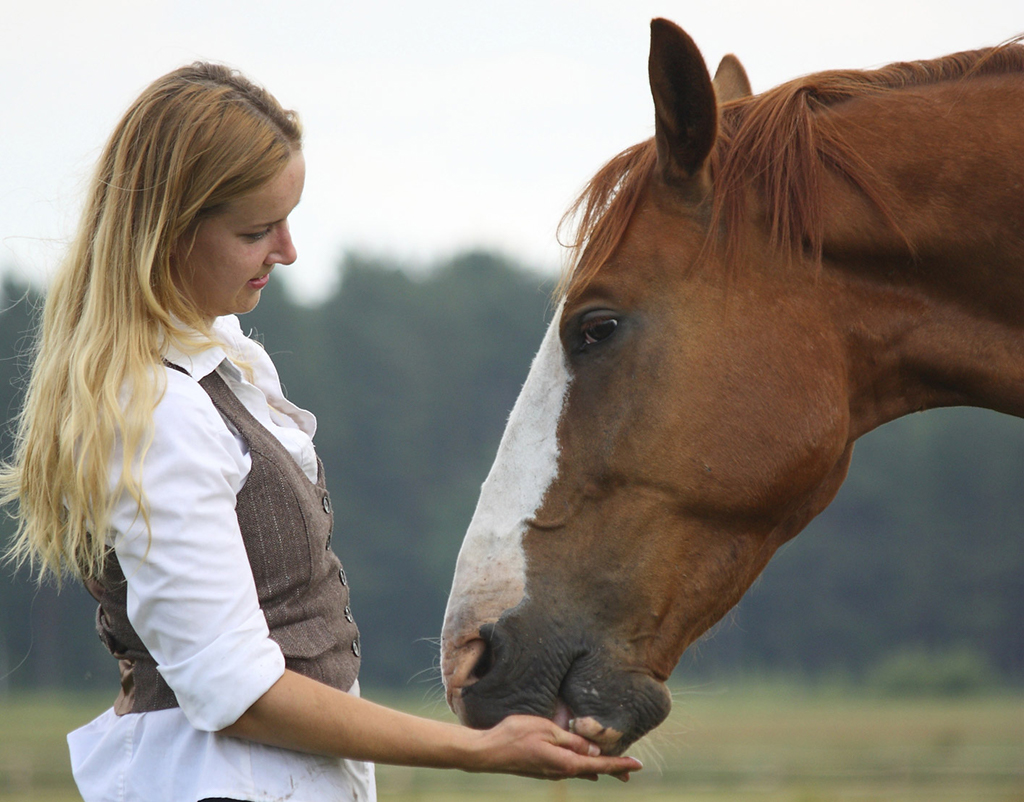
<point>517,666</point>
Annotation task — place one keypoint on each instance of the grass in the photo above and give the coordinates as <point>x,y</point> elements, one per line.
<point>33,753</point>
<point>771,742</point>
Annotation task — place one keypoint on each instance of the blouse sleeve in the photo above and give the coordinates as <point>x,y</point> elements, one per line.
<point>191,594</point>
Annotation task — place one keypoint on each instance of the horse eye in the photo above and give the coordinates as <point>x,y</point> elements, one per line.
<point>594,331</point>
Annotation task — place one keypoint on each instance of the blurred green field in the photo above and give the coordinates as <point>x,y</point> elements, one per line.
<point>769,741</point>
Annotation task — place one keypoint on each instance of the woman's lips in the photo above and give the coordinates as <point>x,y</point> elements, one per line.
<point>259,283</point>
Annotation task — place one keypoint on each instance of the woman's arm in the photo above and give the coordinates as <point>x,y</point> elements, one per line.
<point>302,714</point>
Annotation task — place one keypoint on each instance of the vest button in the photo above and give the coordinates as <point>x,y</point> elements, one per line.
<point>328,541</point>
<point>355,647</point>
<point>342,577</point>
<point>327,504</point>
<point>348,615</point>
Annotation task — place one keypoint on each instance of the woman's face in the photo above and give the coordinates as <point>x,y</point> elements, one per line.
<point>235,250</point>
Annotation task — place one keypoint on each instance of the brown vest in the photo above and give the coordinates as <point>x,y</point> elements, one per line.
<point>286,524</point>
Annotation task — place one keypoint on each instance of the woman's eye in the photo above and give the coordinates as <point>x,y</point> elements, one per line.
<point>594,331</point>
<point>256,236</point>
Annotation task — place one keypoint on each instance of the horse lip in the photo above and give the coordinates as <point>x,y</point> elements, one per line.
<point>563,715</point>
<point>455,703</point>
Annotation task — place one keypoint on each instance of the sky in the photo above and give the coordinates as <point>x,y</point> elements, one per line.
<point>430,127</point>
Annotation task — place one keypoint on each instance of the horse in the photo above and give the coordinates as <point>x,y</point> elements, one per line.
<point>762,282</point>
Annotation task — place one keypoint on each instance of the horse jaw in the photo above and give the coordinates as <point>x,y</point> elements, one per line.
<point>490,574</point>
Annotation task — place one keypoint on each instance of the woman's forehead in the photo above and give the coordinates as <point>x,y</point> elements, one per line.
<point>274,200</point>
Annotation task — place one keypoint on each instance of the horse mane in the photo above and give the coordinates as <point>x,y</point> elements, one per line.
<point>778,143</point>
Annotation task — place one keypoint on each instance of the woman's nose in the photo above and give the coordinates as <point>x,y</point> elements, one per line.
<point>284,253</point>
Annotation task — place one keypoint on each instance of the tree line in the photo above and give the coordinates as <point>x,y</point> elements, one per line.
<point>412,376</point>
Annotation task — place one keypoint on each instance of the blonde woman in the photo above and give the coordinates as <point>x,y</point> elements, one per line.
<point>158,460</point>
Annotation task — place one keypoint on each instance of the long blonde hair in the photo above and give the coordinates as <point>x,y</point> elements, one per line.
<point>194,141</point>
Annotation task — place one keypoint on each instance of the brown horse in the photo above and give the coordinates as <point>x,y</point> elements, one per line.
<point>756,287</point>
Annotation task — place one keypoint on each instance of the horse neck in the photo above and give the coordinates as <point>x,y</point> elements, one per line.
<point>928,293</point>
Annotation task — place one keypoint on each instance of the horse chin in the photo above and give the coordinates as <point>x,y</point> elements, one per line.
<point>615,715</point>
<point>605,730</point>
<point>608,738</point>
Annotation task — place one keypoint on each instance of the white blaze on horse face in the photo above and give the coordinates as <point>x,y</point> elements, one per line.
<point>490,575</point>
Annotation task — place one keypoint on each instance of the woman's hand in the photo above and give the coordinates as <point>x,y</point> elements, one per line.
<point>536,747</point>
<point>300,713</point>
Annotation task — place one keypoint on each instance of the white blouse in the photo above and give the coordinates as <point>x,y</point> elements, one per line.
<point>192,600</point>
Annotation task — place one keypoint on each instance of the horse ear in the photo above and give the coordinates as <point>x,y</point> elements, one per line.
<point>730,81</point>
<point>685,111</point>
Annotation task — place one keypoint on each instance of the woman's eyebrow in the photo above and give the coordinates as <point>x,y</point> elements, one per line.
<point>275,222</point>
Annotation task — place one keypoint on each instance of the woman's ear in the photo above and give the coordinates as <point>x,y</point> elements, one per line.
<point>182,247</point>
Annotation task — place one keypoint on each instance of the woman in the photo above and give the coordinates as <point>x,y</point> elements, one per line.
<point>151,419</point>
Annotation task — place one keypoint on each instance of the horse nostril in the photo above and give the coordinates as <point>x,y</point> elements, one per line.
<point>484,663</point>
<point>460,665</point>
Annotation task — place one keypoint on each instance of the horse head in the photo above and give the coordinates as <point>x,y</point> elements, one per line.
<point>690,409</point>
